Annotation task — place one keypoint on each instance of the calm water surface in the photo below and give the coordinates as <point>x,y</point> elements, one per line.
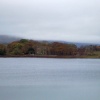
<point>49,79</point>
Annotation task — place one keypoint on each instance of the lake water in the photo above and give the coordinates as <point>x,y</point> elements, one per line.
<point>49,79</point>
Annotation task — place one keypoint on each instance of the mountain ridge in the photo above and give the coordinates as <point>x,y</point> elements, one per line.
<point>5,39</point>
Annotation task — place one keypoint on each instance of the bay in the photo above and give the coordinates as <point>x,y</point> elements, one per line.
<point>49,79</point>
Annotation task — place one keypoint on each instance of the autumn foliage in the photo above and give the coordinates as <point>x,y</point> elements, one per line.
<point>30,47</point>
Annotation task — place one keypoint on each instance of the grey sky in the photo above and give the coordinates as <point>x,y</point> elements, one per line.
<point>66,20</point>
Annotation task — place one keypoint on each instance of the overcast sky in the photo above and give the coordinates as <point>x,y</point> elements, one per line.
<point>66,20</point>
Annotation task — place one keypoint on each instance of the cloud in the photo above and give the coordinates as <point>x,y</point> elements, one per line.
<point>66,20</point>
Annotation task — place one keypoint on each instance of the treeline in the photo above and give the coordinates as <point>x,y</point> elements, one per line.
<point>30,47</point>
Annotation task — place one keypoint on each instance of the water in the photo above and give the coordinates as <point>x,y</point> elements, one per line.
<point>49,79</point>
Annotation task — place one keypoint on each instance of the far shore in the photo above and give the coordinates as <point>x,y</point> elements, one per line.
<point>46,56</point>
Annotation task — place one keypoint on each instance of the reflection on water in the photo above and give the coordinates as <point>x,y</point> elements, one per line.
<point>49,79</point>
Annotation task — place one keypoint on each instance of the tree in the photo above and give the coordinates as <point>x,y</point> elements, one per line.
<point>29,48</point>
<point>63,49</point>
<point>2,49</point>
<point>15,48</point>
<point>23,41</point>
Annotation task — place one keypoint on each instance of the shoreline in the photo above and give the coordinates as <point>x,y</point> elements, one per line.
<point>47,56</point>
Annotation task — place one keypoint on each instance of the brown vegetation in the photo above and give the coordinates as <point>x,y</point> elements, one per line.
<point>30,48</point>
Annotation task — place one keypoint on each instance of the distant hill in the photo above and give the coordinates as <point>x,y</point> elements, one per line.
<point>84,44</point>
<point>8,39</point>
<point>5,39</point>
<point>78,44</point>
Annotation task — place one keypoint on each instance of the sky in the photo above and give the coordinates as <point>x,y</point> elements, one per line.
<point>62,20</point>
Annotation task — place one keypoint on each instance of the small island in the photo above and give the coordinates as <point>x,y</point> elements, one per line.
<point>45,49</point>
